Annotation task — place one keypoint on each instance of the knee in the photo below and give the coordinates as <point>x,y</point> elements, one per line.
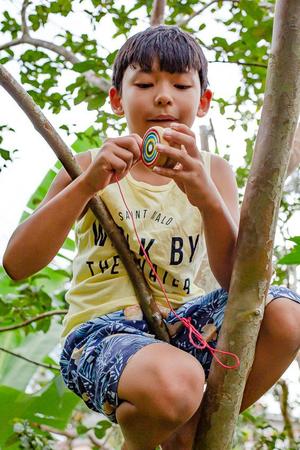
<point>181,392</point>
<point>281,324</point>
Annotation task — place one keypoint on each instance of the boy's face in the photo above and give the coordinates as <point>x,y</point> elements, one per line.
<point>149,98</point>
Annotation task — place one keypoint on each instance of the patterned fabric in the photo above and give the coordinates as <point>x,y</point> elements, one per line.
<point>96,353</point>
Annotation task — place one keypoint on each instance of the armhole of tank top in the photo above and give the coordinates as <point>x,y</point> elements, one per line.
<point>93,153</point>
<point>207,161</point>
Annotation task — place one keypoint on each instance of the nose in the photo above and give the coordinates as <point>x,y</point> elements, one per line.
<point>162,99</point>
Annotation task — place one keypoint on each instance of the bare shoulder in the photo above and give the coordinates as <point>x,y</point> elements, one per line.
<point>219,164</point>
<point>223,177</point>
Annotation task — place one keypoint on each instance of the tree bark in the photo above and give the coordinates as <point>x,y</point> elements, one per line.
<point>64,154</point>
<point>295,154</point>
<point>252,268</point>
<point>158,12</point>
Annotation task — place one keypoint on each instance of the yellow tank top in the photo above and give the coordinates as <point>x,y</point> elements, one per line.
<point>171,231</point>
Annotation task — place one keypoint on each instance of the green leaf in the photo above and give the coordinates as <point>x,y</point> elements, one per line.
<point>87,140</point>
<point>52,405</point>
<point>84,66</point>
<point>15,372</point>
<point>101,428</point>
<point>294,256</point>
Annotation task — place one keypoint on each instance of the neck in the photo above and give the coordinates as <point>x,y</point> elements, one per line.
<point>141,173</point>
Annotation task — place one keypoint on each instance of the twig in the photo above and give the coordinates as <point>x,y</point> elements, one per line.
<point>184,22</point>
<point>158,12</point>
<point>34,319</point>
<point>46,366</point>
<point>240,63</point>
<point>25,29</point>
<point>284,408</point>
<point>69,434</point>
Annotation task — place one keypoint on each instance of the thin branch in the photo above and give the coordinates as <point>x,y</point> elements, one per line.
<point>25,29</point>
<point>240,63</point>
<point>46,366</point>
<point>34,319</point>
<point>158,13</point>
<point>284,408</point>
<point>184,22</point>
<point>44,127</point>
<point>70,434</point>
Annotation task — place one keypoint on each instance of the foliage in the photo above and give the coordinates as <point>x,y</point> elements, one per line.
<point>256,428</point>
<point>28,438</point>
<point>5,155</point>
<point>294,256</point>
<point>243,38</point>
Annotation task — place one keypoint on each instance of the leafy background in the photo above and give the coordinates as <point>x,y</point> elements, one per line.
<point>36,411</point>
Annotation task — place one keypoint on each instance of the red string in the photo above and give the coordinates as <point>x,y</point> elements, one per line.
<point>186,321</point>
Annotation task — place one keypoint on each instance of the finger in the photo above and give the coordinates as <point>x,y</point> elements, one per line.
<point>117,164</point>
<point>131,143</point>
<point>182,137</point>
<point>183,128</point>
<point>178,155</point>
<point>125,155</point>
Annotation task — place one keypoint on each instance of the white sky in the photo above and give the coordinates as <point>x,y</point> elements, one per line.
<point>35,157</point>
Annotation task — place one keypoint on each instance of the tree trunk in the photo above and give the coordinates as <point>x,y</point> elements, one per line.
<point>252,268</point>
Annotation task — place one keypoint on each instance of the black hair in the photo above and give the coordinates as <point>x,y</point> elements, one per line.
<point>175,49</point>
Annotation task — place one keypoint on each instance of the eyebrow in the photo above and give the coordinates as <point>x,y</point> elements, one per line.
<point>141,71</point>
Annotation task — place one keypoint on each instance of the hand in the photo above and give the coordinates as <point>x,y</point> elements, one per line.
<point>116,157</point>
<point>189,173</point>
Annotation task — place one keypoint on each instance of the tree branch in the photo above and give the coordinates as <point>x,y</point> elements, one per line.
<point>34,319</point>
<point>240,63</point>
<point>70,434</point>
<point>184,22</point>
<point>46,366</point>
<point>158,12</point>
<point>284,408</point>
<point>44,127</point>
<point>25,29</point>
<point>90,75</point>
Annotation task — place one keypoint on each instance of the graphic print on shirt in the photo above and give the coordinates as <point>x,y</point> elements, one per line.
<point>179,251</point>
<point>99,234</point>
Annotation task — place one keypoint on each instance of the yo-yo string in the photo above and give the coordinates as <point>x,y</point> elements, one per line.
<point>185,321</point>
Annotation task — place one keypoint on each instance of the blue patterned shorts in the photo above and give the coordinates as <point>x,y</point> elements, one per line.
<point>96,353</point>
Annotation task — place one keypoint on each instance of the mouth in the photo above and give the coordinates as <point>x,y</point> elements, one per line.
<point>163,120</point>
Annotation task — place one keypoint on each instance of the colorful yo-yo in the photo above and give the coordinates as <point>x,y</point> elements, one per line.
<point>149,154</point>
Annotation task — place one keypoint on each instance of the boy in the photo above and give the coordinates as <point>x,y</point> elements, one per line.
<point>152,389</point>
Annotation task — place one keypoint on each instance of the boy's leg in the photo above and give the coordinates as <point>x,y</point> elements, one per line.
<point>277,346</point>
<point>162,388</point>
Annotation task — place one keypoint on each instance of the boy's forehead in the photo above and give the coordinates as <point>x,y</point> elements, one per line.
<point>135,69</point>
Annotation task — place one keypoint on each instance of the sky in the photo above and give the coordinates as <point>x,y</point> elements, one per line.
<point>35,157</point>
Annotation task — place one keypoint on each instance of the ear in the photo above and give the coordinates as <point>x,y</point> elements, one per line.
<point>204,103</point>
<point>115,101</point>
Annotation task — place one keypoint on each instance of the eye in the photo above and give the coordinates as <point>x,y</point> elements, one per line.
<point>143,85</point>
<point>182,86</point>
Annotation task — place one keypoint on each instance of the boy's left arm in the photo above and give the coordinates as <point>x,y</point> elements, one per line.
<point>216,196</point>
<point>221,219</point>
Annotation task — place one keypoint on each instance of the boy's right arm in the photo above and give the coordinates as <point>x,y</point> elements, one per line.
<point>37,240</point>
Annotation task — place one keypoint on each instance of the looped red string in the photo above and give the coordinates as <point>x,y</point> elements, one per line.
<point>186,321</point>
